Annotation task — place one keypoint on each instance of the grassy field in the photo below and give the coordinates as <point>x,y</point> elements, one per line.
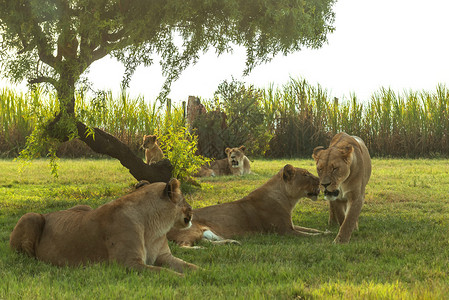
<point>401,250</point>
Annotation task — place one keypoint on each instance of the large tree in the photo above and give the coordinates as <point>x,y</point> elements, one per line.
<point>54,42</point>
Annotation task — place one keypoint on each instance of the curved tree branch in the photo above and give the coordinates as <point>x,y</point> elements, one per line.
<point>42,79</point>
<point>104,143</point>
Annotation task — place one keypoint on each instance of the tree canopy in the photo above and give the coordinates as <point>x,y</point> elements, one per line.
<point>55,41</point>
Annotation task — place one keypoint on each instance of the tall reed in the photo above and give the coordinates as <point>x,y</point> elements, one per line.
<point>294,118</point>
<point>18,113</point>
<point>124,117</point>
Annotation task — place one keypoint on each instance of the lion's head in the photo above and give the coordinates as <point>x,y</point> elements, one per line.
<point>149,141</point>
<point>236,156</point>
<point>300,183</point>
<point>333,167</point>
<point>183,211</point>
<point>174,201</point>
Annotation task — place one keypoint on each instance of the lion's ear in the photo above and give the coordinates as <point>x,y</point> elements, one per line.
<point>346,152</point>
<point>153,138</point>
<point>227,150</point>
<point>288,172</point>
<point>316,151</point>
<point>243,148</point>
<point>172,188</point>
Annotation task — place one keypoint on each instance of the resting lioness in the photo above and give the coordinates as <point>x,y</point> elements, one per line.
<point>344,170</point>
<point>130,230</point>
<point>236,163</point>
<point>266,209</point>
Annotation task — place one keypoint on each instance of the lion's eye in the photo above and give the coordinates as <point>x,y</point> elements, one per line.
<point>334,169</point>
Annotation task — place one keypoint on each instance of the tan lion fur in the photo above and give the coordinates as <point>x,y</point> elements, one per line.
<point>130,230</point>
<point>266,209</point>
<point>344,170</point>
<point>153,153</point>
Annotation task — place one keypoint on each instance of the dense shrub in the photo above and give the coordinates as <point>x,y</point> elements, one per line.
<point>236,117</point>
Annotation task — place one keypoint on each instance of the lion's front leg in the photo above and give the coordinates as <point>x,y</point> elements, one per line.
<point>337,212</point>
<point>350,221</point>
<point>309,230</point>
<point>167,259</point>
<point>294,231</point>
<point>139,265</point>
<point>132,256</point>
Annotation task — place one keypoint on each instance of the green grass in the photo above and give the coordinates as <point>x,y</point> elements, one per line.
<point>401,250</point>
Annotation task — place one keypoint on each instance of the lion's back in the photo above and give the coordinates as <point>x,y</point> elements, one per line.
<point>221,167</point>
<point>246,166</point>
<point>71,237</point>
<point>363,158</point>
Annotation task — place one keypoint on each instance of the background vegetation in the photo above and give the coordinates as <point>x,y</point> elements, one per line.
<point>283,122</point>
<point>400,251</point>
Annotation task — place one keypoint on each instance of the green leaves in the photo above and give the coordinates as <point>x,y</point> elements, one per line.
<point>69,36</point>
<point>180,146</point>
<point>247,122</point>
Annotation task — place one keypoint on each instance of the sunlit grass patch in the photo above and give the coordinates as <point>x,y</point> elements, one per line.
<point>400,251</point>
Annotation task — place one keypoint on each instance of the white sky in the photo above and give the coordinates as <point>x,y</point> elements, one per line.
<point>400,44</point>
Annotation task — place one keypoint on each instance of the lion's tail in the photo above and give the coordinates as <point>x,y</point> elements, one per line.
<point>27,233</point>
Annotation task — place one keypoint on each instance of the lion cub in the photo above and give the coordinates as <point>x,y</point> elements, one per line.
<point>130,230</point>
<point>153,153</point>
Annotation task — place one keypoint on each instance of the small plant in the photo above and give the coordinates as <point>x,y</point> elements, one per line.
<point>180,146</point>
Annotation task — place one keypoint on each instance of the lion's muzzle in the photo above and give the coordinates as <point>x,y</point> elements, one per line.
<point>314,195</point>
<point>187,222</point>
<point>188,215</point>
<point>234,163</point>
<point>331,196</point>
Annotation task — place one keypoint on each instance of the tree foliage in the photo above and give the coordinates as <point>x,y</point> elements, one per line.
<point>55,41</point>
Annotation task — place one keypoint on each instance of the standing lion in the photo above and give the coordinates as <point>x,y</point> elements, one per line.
<point>344,170</point>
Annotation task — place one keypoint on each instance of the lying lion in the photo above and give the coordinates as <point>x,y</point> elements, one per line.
<point>344,169</point>
<point>129,230</point>
<point>236,163</point>
<point>267,209</point>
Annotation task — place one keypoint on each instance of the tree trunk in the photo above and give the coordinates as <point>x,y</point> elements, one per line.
<point>105,143</point>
